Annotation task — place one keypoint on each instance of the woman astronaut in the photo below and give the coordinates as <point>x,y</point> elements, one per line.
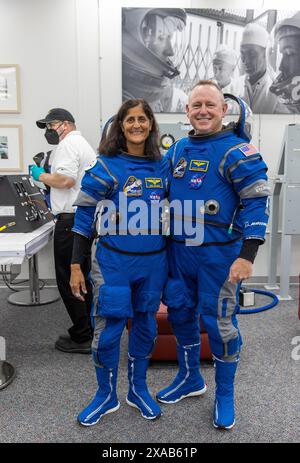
<point>129,173</point>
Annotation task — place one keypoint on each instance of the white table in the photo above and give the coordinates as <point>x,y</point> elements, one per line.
<point>15,248</point>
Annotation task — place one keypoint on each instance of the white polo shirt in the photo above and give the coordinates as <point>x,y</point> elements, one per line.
<point>71,157</point>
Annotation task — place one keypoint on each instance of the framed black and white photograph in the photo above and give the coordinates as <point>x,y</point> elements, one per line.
<point>11,156</point>
<point>9,88</point>
<point>166,51</point>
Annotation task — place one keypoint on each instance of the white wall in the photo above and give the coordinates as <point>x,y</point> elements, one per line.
<point>70,56</point>
<point>55,44</point>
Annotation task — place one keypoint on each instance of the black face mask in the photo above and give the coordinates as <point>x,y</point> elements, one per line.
<point>52,136</point>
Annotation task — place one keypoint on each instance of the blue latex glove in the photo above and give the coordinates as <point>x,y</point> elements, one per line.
<point>36,171</point>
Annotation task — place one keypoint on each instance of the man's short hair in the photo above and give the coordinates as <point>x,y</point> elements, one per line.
<point>210,82</point>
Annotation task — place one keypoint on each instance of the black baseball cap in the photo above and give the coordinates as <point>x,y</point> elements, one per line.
<point>55,114</point>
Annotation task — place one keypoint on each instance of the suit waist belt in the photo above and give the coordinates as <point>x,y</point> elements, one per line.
<point>131,253</point>
<point>211,243</point>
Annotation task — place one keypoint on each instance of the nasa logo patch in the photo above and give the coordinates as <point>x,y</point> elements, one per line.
<point>196,181</point>
<point>154,197</point>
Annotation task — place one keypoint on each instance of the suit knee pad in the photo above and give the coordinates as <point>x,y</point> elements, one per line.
<point>115,302</point>
<point>232,348</point>
<point>226,349</point>
<point>174,294</point>
<point>143,334</point>
<point>179,306</point>
<point>106,343</point>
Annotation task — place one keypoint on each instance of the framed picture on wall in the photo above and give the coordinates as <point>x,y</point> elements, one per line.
<point>9,88</point>
<point>11,156</point>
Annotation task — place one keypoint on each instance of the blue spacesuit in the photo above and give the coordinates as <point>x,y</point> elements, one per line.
<point>229,175</point>
<point>133,270</point>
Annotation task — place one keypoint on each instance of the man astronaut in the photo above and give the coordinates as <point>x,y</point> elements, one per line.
<point>258,79</point>
<point>152,44</point>
<point>218,165</point>
<point>286,86</point>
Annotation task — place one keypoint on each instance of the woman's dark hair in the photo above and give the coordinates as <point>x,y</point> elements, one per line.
<point>114,141</point>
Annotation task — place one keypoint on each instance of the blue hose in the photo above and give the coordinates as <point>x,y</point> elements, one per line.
<point>263,308</point>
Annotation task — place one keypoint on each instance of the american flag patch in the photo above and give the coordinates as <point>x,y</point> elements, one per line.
<point>248,150</point>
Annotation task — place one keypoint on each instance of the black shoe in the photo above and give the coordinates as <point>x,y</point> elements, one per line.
<point>72,347</point>
<point>64,337</point>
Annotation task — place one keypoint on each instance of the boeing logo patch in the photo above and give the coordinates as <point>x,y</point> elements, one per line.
<point>198,165</point>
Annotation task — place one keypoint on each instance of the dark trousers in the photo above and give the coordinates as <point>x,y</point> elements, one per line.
<point>78,311</point>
